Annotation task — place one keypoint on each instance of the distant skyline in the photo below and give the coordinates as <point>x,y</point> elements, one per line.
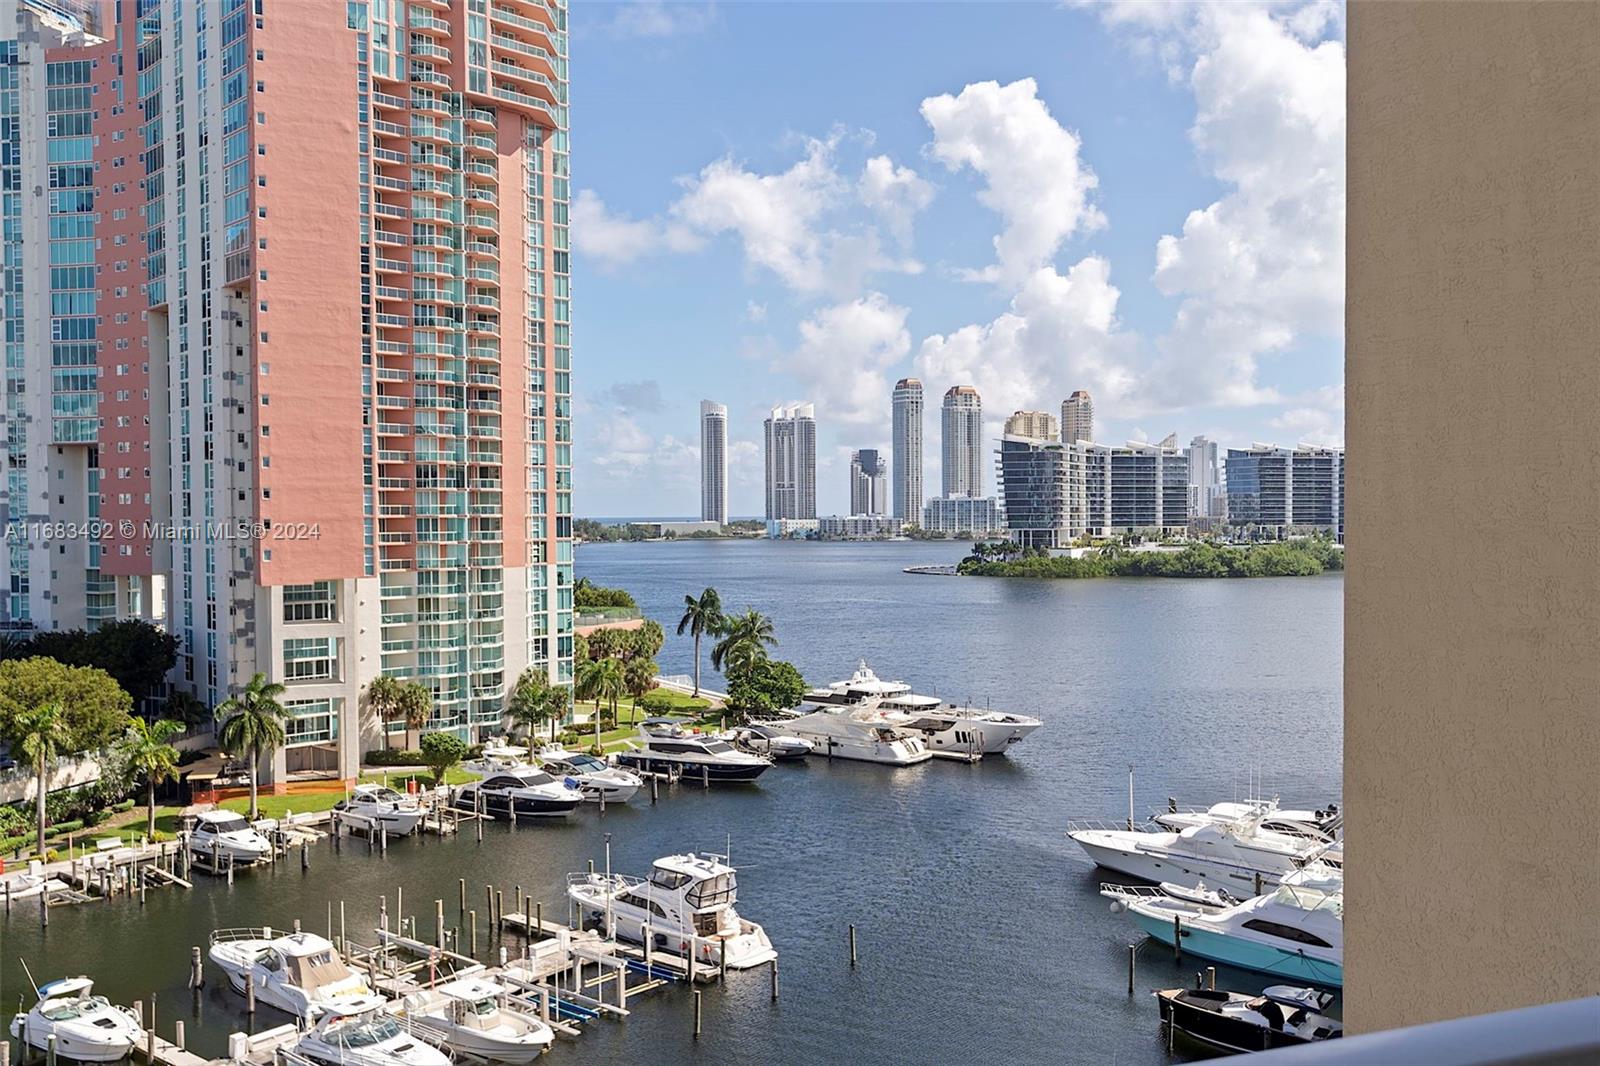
<point>1144,201</point>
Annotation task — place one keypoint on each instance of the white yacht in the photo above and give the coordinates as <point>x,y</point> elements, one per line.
<point>666,747</point>
<point>859,733</point>
<point>358,1032</point>
<point>686,904</point>
<point>498,756</point>
<point>223,835</point>
<point>380,807</point>
<point>473,1015</point>
<point>527,790</point>
<point>769,739</point>
<point>86,1027</point>
<point>947,730</point>
<point>1319,826</point>
<point>1227,854</point>
<point>594,777</point>
<point>1296,930</point>
<point>299,973</point>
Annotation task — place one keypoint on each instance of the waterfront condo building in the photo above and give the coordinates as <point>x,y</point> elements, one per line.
<point>791,461</point>
<point>1054,492</point>
<point>1039,425</point>
<point>1041,491</point>
<point>961,423</point>
<point>906,448</point>
<point>305,351</point>
<point>1077,418</point>
<point>713,462</point>
<point>1207,498</point>
<point>869,481</point>
<point>1282,487</point>
<point>962,514</point>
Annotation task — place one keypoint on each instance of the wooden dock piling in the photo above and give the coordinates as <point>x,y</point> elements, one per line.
<point>852,946</point>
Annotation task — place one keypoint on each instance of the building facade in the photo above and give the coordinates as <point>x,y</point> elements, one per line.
<point>791,461</point>
<point>713,462</point>
<point>869,483</point>
<point>1207,499</point>
<point>1042,491</point>
<point>963,514</point>
<point>906,449</point>
<point>339,395</point>
<point>1282,487</point>
<point>961,425</point>
<point>1134,487</point>
<point>1077,418</point>
<point>857,527</point>
<point>1039,425</point>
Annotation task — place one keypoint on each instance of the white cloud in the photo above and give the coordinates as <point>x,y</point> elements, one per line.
<point>896,193</point>
<point>624,451</point>
<point>652,18</point>
<point>616,240</point>
<point>755,312</point>
<point>1033,176</point>
<point>844,354</point>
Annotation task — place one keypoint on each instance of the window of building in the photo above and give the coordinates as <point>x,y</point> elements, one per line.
<point>309,659</point>
<point>308,603</point>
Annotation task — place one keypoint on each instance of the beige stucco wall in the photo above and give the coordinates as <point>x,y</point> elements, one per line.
<point>1472,639</point>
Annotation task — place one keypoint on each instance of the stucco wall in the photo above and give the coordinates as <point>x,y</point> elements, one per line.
<point>1472,640</point>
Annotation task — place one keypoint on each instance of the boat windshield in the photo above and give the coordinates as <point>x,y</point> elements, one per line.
<point>65,1010</point>
<point>386,795</point>
<point>586,763</point>
<point>484,1007</point>
<point>668,878</point>
<point>534,777</point>
<point>717,747</point>
<point>229,825</point>
<point>713,891</point>
<point>368,1034</point>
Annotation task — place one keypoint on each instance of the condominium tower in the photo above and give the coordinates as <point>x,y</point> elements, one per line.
<point>713,462</point>
<point>326,248</point>
<point>1038,425</point>
<point>1055,492</point>
<point>1206,496</point>
<point>791,460</point>
<point>1280,487</point>
<point>906,449</point>
<point>961,421</point>
<point>868,483</point>
<point>1077,418</point>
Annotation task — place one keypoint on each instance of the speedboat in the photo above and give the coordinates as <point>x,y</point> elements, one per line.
<point>947,730</point>
<point>1295,931</point>
<point>380,807</point>
<point>1281,1016</point>
<point>594,777</point>
<point>472,1015</point>
<point>85,1026</point>
<point>358,1032</point>
<point>860,734</point>
<point>527,792</point>
<point>1235,854</point>
<point>498,756</point>
<point>665,747</point>
<point>224,835</point>
<point>299,973</point>
<point>1318,826</point>
<point>762,739</point>
<point>685,907</point>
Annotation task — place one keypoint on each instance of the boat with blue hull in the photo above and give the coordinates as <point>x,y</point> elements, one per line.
<point>1296,931</point>
<point>666,748</point>
<point>527,792</point>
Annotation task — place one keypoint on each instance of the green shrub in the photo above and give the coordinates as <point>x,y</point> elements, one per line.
<point>395,757</point>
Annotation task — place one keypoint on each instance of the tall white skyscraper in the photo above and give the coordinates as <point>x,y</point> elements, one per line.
<point>1206,498</point>
<point>868,482</point>
<point>713,462</point>
<point>962,454</point>
<point>1077,418</point>
<point>791,451</point>
<point>906,449</point>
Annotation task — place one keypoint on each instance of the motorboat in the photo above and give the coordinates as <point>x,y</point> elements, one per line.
<point>359,1032</point>
<point>373,806</point>
<point>226,836</point>
<point>841,733</point>
<point>685,907</point>
<point>85,1027</point>
<point>666,747</point>
<point>527,792</point>
<point>760,738</point>
<point>1281,1016</point>
<point>498,756</point>
<point>1239,854</point>
<point>473,1015</point>
<point>1319,826</point>
<point>1295,931</point>
<point>299,973</point>
<point>947,730</point>
<point>595,778</point>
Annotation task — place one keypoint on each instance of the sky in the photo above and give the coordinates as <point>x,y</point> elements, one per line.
<point>783,202</point>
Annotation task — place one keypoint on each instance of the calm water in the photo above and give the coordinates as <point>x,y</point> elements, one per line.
<point>979,928</point>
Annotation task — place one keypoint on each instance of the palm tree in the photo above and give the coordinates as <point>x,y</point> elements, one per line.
<point>252,723</point>
<point>383,698</point>
<point>39,736</point>
<point>529,704</point>
<point>744,640</point>
<point>639,677</point>
<point>556,701</point>
<point>601,679</point>
<point>700,617</point>
<point>187,708</point>
<point>416,707</point>
<point>151,756</point>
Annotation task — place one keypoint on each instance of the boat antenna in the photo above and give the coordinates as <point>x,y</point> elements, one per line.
<point>1130,797</point>
<point>34,984</point>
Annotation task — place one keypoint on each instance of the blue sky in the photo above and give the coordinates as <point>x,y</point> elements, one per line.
<point>781,202</point>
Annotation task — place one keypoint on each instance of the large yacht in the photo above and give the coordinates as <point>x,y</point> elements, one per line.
<point>1235,855</point>
<point>686,904</point>
<point>665,747</point>
<point>524,791</point>
<point>298,973</point>
<point>1319,826</point>
<point>1296,930</point>
<point>947,730</point>
<point>858,733</point>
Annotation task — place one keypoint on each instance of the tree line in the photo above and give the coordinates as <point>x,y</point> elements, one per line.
<point>1290,558</point>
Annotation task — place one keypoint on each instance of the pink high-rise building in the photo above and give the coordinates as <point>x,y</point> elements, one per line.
<point>320,418</point>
